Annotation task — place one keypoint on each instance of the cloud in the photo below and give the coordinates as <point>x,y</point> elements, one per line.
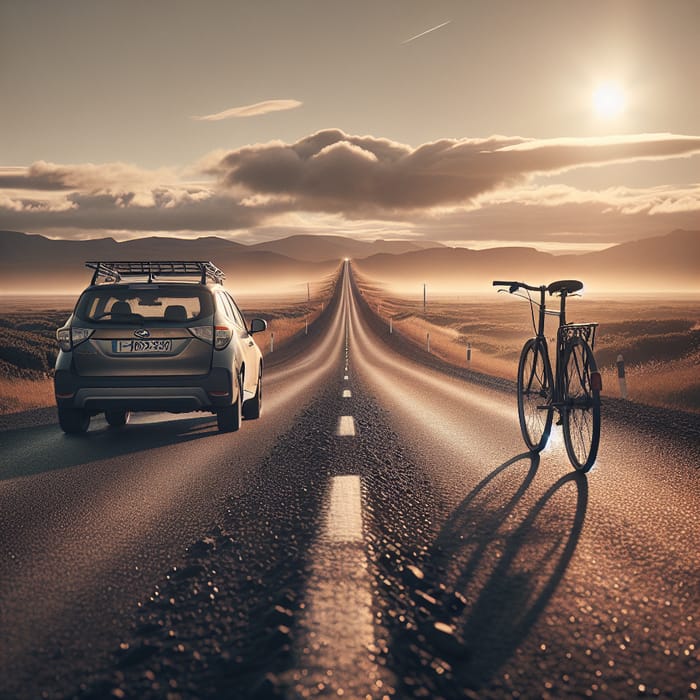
<point>253,110</point>
<point>625,199</point>
<point>560,214</point>
<point>43,176</point>
<point>116,196</point>
<point>159,210</point>
<point>451,189</point>
<point>561,154</point>
<point>367,176</point>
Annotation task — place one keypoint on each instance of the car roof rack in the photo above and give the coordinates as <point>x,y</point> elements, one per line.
<point>116,271</point>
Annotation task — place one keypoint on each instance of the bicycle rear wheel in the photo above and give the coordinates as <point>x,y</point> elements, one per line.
<point>534,394</point>
<point>581,412</point>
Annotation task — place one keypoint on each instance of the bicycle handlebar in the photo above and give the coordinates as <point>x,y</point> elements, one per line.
<point>514,286</point>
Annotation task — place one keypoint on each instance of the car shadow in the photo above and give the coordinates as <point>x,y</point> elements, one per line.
<point>492,570</point>
<point>36,450</point>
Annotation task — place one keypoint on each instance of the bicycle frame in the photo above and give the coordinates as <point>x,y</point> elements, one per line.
<point>557,394</point>
<point>573,389</point>
<point>565,334</point>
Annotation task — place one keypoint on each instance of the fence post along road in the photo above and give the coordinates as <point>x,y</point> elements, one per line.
<point>621,376</point>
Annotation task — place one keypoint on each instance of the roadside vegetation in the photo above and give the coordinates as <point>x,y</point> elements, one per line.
<point>27,355</point>
<point>28,346</point>
<point>658,339</point>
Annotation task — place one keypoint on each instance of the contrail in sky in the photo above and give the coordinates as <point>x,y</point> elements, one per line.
<point>427,31</point>
<point>251,110</point>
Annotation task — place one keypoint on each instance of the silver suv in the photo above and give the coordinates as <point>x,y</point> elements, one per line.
<point>157,336</point>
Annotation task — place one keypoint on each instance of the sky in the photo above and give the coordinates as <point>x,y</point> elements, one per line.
<point>567,126</point>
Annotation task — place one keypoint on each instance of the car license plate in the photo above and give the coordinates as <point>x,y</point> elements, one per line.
<point>142,346</point>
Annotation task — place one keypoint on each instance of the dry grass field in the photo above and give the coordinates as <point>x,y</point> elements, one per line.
<point>28,326</point>
<point>659,338</point>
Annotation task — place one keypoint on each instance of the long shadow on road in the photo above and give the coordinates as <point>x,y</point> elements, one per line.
<point>31,451</point>
<point>486,580</point>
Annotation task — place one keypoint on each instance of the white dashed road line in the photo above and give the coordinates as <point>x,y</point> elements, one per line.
<point>344,520</point>
<point>346,426</point>
<point>337,622</point>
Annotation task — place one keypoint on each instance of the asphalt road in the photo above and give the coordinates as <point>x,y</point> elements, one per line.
<point>380,531</point>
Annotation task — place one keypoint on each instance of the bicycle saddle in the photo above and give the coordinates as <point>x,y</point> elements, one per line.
<point>568,286</point>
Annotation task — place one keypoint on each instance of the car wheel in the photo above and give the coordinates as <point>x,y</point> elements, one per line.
<point>117,418</point>
<point>252,408</point>
<point>228,418</point>
<point>73,421</point>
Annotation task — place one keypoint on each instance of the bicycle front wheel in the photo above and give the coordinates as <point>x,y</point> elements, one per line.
<point>581,411</point>
<point>534,394</point>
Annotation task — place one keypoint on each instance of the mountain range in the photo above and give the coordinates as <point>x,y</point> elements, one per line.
<point>35,263</point>
<point>662,263</point>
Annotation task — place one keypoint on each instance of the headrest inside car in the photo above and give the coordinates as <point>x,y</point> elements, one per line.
<point>120,307</point>
<point>176,313</point>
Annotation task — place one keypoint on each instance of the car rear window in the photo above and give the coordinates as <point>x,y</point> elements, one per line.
<point>153,303</point>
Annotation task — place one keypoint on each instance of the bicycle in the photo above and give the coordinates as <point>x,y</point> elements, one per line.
<point>573,389</point>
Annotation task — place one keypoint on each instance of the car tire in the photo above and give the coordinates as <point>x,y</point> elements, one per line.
<point>73,421</point>
<point>228,418</point>
<point>117,418</point>
<point>252,408</point>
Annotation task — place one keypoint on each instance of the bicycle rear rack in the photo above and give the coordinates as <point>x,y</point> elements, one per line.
<point>585,331</point>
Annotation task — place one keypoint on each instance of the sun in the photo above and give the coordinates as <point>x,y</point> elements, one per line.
<point>608,100</point>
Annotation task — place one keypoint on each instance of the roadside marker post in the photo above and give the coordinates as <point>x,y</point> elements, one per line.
<point>427,336</point>
<point>391,325</point>
<point>469,352</point>
<point>621,376</point>
<point>272,341</point>
<point>306,326</point>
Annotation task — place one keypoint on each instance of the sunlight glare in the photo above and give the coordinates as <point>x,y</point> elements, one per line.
<point>608,100</point>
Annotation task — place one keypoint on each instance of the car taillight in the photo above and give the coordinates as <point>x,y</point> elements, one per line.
<point>219,336</point>
<point>80,335</point>
<point>205,333</point>
<point>69,337</point>
<point>63,338</point>
<point>222,337</point>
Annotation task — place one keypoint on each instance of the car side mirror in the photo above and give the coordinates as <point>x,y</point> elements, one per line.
<point>257,325</point>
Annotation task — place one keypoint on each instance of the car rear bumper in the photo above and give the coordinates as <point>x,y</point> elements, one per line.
<point>176,393</point>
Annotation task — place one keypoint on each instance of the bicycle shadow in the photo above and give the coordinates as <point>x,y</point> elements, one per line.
<point>497,562</point>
